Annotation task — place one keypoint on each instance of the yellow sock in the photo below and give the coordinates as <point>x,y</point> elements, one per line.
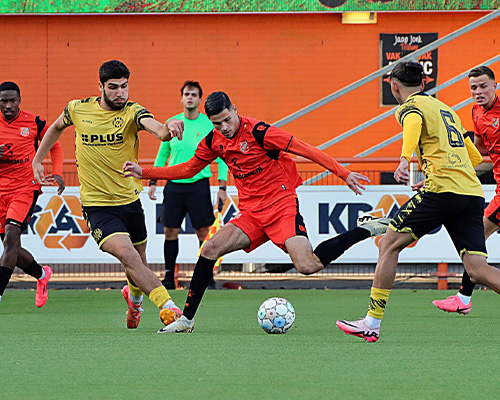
<point>378,300</point>
<point>134,290</point>
<point>159,296</point>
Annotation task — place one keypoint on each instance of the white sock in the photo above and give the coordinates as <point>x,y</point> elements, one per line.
<point>465,299</point>
<point>169,303</point>
<point>137,300</point>
<point>0,298</point>
<point>43,274</point>
<point>372,322</point>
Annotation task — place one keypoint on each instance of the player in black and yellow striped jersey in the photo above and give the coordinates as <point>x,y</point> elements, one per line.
<point>451,196</point>
<point>106,136</point>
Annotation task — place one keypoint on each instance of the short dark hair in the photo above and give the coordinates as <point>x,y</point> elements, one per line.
<point>7,85</point>
<point>194,84</point>
<point>482,70</point>
<point>409,73</point>
<point>113,69</point>
<point>217,102</point>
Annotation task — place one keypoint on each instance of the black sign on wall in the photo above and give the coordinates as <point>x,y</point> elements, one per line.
<point>394,46</point>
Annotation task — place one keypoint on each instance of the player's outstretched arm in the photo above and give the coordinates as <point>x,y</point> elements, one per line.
<point>165,132</point>
<point>352,179</point>
<point>57,159</point>
<point>353,182</point>
<point>184,170</point>
<point>50,138</point>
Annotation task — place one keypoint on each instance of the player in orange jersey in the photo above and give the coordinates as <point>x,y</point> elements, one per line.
<point>266,178</point>
<point>486,119</point>
<point>20,132</point>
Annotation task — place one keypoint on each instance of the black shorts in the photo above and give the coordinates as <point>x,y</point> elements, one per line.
<point>193,198</point>
<point>461,215</point>
<point>107,221</point>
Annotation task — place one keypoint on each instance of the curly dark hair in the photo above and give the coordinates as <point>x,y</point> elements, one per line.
<point>113,69</point>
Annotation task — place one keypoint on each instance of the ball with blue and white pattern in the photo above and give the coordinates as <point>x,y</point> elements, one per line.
<point>276,315</point>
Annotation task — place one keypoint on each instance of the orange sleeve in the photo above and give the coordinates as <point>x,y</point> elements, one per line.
<point>57,158</point>
<point>184,170</point>
<point>312,153</point>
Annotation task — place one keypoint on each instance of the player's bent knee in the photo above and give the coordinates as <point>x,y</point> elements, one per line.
<point>308,268</point>
<point>11,244</point>
<point>473,279</point>
<point>389,244</point>
<point>128,256</point>
<point>210,250</point>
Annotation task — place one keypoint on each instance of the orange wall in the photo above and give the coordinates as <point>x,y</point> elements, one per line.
<point>270,65</point>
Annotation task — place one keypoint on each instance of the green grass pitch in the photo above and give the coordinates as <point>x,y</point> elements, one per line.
<point>77,347</point>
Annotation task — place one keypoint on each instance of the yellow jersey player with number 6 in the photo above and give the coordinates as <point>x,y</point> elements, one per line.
<point>106,136</point>
<point>452,195</point>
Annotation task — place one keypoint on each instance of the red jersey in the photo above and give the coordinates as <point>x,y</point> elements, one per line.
<point>255,155</point>
<point>20,137</point>
<point>487,127</point>
<point>262,171</point>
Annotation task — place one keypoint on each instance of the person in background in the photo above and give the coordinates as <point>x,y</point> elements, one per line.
<point>20,132</point>
<point>192,195</point>
<point>486,117</point>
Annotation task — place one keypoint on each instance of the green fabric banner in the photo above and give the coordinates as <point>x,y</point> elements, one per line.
<point>242,6</point>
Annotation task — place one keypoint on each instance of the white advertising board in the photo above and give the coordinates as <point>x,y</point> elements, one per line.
<point>58,234</point>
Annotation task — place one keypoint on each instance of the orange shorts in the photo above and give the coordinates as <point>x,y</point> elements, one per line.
<point>492,211</point>
<point>16,208</point>
<point>277,223</point>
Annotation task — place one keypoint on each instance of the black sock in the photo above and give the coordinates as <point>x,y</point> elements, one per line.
<point>5,274</point>
<point>212,281</point>
<point>170,252</point>
<point>467,286</point>
<point>34,269</point>
<point>199,283</point>
<point>333,248</point>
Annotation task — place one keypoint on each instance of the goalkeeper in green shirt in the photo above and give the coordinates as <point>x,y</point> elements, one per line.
<point>187,196</point>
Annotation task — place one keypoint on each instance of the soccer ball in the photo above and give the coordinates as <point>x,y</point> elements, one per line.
<point>276,315</point>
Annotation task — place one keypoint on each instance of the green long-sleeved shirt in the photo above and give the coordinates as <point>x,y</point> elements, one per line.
<point>179,151</point>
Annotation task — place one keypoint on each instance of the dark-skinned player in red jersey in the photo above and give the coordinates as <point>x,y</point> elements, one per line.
<point>266,178</point>
<point>20,132</point>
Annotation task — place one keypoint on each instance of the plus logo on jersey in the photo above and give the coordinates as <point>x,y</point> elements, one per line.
<point>91,139</point>
<point>60,225</point>
<point>25,131</point>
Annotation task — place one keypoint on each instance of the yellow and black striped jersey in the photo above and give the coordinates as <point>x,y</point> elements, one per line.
<point>439,143</point>
<point>104,140</point>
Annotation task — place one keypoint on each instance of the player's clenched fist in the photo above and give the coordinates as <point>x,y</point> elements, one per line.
<point>175,128</point>
<point>132,169</point>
